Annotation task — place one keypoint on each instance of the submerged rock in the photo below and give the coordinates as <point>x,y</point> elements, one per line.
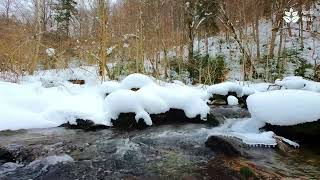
<point>223,146</point>
<point>306,133</point>
<point>6,156</point>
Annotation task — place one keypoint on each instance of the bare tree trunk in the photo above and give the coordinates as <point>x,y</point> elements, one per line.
<point>275,27</point>
<point>280,61</point>
<point>190,44</point>
<point>7,9</point>
<point>301,31</point>
<point>103,35</point>
<point>38,34</point>
<point>206,38</point>
<point>257,32</point>
<point>247,63</point>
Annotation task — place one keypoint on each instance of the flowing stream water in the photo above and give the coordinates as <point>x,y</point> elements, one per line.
<point>159,152</point>
<point>171,151</point>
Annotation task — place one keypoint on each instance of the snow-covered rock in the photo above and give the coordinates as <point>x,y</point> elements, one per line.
<point>285,107</point>
<point>154,99</point>
<point>293,82</point>
<point>225,88</point>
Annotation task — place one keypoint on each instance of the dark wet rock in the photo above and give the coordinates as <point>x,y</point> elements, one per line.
<point>218,99</point>
<point>85,125</point>
<point>173,116</point>
<point>127,121</point>
<point>21,153</point>
<point>306,133</point>
<point>6,156</point>
<point>135,89</point>
<point>243,101</point>
<point>76,81</point>
<point>220,113</point>
<point>222,99</point>
<point>223,146</point>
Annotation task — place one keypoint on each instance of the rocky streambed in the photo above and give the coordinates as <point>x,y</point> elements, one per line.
<point>175,151</point>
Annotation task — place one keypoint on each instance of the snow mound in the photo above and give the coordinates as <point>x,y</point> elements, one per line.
<point>293,82</point>
<point>135,81</point>
<point>285,107</point>
<point>109,87</point>
<point>154,99</point>
<point>298,83</point>
<point>232,101</point>
<point>224,88</point>
<point>32,106</point>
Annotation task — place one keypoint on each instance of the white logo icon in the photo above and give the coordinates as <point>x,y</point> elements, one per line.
<point>291,16</point>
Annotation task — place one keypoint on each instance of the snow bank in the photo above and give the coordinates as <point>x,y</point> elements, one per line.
<point>35,105</point>
<point>32,106</point>
<point>285,107</point>
<point>58,77</point>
